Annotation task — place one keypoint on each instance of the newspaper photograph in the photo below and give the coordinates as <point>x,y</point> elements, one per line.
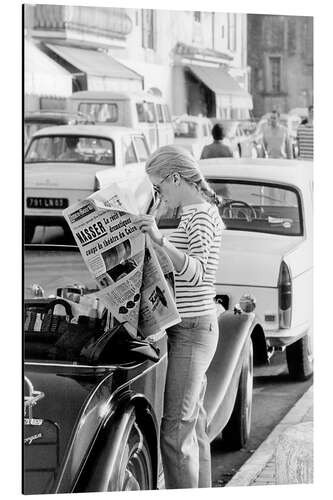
<point>135,277</point>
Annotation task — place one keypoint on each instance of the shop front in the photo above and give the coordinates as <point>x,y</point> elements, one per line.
<point>210,91</point>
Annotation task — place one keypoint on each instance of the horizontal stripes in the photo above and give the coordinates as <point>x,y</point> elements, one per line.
<point>305,141</point>
<point>199,236</point>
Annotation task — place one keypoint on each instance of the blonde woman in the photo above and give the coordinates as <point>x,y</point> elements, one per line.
<point>194,250</point>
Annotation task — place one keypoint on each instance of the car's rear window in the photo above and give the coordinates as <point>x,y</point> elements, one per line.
<point>71,149</point>
<point>252,206</point>
<point>186,129</point>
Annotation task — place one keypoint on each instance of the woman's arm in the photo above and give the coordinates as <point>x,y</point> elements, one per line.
<point>147,224</point>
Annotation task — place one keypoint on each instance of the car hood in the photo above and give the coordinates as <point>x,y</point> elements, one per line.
<point>253,259</point>
<point>65,391</point>
<point>60,175</point>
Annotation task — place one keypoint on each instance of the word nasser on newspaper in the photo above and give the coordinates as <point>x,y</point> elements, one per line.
<point>135,278</point>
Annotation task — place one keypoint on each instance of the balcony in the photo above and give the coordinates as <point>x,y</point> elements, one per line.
<point>89,25</point>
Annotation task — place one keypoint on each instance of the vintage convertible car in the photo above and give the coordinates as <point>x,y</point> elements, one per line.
<point>267,249</point>
<point>92,418</point>
<point>63,165</point>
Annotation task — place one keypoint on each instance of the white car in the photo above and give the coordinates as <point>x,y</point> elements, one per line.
<point>192,133</point>
<point>267,249</point>
<point>65,164</point>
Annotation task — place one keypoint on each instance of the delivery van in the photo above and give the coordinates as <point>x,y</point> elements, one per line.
<point>145,112</point>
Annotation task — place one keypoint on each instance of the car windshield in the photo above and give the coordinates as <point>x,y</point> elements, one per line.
<point>251,206</point>
<point>71,149</point>
<point>186,129</point>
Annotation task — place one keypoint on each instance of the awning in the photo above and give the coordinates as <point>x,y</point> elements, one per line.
<point>103,71</point>
<point>223,84</point>
<point>43,76</point>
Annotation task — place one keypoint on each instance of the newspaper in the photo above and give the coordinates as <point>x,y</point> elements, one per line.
<point>135,277</point>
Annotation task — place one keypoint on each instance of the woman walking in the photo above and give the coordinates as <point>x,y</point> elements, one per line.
<point>194,250</point>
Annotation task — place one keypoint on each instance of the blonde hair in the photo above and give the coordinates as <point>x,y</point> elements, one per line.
<point>171,159</point>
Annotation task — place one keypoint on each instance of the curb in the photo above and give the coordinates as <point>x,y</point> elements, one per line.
<point>252,468</point>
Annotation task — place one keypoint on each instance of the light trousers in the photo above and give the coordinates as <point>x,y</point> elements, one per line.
<point>185,446</point>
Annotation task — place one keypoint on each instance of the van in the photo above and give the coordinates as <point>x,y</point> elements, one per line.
<point>145,112</point>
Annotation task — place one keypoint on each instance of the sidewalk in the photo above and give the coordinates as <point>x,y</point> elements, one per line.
<point>285,457</point>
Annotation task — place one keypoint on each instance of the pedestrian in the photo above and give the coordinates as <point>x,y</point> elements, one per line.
<point>216,149</point>
<point>305,137</point>
<point>275,138</point>
<point>194,250</point>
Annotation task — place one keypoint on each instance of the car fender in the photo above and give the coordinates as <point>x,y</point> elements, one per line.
<point>224,371</point>
<point>102,466</point>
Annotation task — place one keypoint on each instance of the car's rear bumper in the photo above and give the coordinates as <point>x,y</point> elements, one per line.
<point>284,337</point>
<point>45,220</point>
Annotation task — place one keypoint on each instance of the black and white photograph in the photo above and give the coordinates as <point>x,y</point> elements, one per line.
<point>209,115</point>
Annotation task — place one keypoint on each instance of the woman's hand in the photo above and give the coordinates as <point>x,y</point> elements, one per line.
<point>147,224</point>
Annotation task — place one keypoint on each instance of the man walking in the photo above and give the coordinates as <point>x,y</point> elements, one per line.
<point>216,149</point>
<point>275,138</point>
<point>305,138</point>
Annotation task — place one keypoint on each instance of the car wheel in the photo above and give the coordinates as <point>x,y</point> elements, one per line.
<point>237,431</point>
<point>299,359</point>
<point>136,471</point>
<point>29,231</point>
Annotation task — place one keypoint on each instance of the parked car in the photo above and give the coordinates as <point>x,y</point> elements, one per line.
<point>239,138</point>
<point>36,120</point>
<point>192,133</point>
<point>93,425</point>
<point>67,163</point>
<point>267,249</point>
<point>146,112</point>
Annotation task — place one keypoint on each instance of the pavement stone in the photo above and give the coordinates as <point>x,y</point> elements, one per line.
<point>260,468</point>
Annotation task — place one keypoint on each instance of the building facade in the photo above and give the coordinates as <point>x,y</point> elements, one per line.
<point>280,54</point>
<point>196,60</point>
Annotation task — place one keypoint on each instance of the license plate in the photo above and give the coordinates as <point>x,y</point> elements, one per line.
<point>60,203</point>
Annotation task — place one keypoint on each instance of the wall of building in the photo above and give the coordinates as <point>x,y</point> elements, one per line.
<point>158,65</point>
<point>289,39</point>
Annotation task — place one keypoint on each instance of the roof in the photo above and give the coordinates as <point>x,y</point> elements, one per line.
<point>80,129</point>
<point>291,172</point>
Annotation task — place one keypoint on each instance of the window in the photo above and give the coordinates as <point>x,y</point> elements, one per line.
<point>232,32</point>
<point>71,148</point>
<point>159,113</point>
<point>222,31</point>
<point>141,148</point>
<point>167,113</point>
<point>275,73</point>
<point>100,112</point>
<point>197,16</point>
<point>148,28</point>
<point>264,208</point>
<point>150,112</point>
<point>140,110</point>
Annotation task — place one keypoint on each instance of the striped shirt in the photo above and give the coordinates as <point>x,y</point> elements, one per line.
<point>199,236</point>
<point>305,141</point>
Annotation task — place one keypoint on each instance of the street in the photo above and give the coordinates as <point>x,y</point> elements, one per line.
<point>273,396</point>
